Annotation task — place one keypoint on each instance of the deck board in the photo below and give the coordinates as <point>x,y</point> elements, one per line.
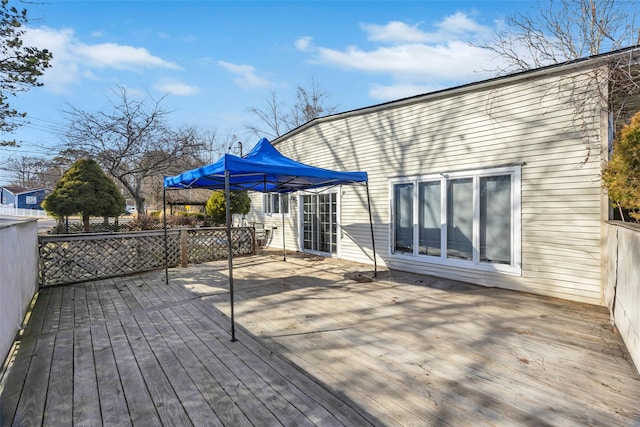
<point>194,407</point>
<point>30,410</point>
<point>314,348</point>
<point>112,401</point>
<point>61,382</point>
<point>86,402</point>
<point>195,358</point>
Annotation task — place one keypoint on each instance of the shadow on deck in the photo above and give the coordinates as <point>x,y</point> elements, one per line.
<point>318,344</point>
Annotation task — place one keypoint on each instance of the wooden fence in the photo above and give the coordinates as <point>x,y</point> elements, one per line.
<point>77,258</point>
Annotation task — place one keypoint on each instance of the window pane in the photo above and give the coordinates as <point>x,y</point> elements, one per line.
<point>265,203</point>
<point>495,219</point>
<point>460,218</point>
<point>285,203</point>
<point>309,222</point>
<point>429,218</point>
<point>403,214</point>
<point>275,203</point>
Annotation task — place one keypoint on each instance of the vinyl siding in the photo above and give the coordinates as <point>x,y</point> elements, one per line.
<point>529,123</point>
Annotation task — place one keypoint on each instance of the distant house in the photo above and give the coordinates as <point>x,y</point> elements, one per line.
<point>22,198</point>
<point>495,183</point>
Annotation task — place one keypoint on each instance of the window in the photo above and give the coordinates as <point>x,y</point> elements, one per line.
<point>467,219</point>
<point>404,218</point>
<point>275,203</point>
<point>429,211</point>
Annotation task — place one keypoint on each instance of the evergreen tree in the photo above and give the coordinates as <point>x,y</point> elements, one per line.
<point>86,190</point>
<point>216,207</point>
<point>20,66</point>
<point>621,177</point>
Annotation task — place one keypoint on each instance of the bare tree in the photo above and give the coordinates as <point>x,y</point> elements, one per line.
<point>272,116</point>
<point>564,30</point>
<point>36,172</point>
<point>132,142</point>
<point>279,119</point>
<point>310,104</point>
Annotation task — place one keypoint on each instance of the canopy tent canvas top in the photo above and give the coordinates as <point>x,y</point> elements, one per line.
<point>265,170</point>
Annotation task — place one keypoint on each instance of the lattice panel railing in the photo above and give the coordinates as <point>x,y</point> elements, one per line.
<point>208,244</point>
<point>77,258</point>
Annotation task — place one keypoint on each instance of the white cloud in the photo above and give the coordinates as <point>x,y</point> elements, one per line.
<point>120,57</point>
<point>73,59</point>
<point>303,43</point>
<point>451,28</point>
<point>418,61</point>
<point>399,91</point>
<point>395,32</point>
<point>246,75</point>
<point>175,88</point>
<point>460,23</point>
<point>414,59</point>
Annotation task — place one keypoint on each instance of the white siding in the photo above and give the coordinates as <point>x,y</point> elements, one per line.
<point>530,122</point>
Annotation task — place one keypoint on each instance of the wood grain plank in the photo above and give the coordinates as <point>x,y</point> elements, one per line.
<point>30,408</point>
<point>14,381</point>
<point>168,405</point>
<point>142,409</point>
<point>196,359</point>
<point>286,412</point>
<point>38,313</point>
<point>86,402</point>
<point>209,344</point>
<point>113,404</point>
<point>80,306</point>
<point>121,306</point>
<point>138,289</point>
<point>59,405</point>
<point>121,284</point>
<point>107,306</point>
<point>93,302</point>
<point>165,347</point>
<point>313,401</point>
<point>52,315</point>
<point>166,293</point>
<point>67,306</point>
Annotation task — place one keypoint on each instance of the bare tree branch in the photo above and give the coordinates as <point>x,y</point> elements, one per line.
<point>133,142</point>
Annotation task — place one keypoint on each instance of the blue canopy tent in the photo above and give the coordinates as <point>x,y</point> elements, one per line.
<point>265,170</point>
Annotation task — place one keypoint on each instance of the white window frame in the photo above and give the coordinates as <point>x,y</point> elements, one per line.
<point>267,204</point>
<point>515,268</point>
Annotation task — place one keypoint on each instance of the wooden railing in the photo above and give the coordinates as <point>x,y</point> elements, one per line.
<point>77,258</point>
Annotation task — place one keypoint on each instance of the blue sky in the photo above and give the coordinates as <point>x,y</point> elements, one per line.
<point>216,59</point>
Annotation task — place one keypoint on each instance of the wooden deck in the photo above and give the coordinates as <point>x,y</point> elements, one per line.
<point>317,344</point>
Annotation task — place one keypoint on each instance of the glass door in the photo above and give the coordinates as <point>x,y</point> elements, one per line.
<point>320,222</point>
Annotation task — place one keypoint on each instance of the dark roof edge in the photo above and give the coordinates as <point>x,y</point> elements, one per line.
<point>590,61</point>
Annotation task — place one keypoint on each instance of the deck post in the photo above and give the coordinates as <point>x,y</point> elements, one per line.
<point>373,240</point>
<point>284,248</point>
<point>164,226</point>
<point>227,194</point>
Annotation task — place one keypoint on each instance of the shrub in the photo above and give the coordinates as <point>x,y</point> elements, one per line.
<point>621,176</point>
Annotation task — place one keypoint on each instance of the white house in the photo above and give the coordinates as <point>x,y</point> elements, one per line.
<point>495,183</point>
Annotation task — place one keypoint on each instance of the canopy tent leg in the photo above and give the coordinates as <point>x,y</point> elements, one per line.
<point>373,240</point>
<point>227,194</point>
<point>164,226</point>
<point>284,248</point>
